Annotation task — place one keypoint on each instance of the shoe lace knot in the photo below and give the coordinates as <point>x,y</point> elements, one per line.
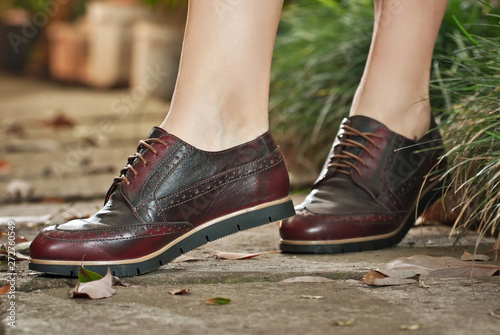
<point>342,158</point>
<point>147,144</point>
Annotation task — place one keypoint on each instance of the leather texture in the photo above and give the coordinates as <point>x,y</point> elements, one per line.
<point>180,188</point>
<point>344,204</point>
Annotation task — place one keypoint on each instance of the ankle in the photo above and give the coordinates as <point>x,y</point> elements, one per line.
<point>412,122</point>
<point>215,130</point>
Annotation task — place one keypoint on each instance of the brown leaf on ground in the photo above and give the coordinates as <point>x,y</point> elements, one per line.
<point>423,267</point>
<point>467,256</point>
<point>5,166</point>
<point>60,121</point>
<point>186,258</point>
<point>445,211</point>
<point>4,253</point>
<point>238,256</point>
<point>306,279</point>
<point>96,289</point>
<point>118,282</point>
<point>5,289</point>
<point>179,291</point>
<point>55,200</point>
<point>375,278</point>
<point>18,238</point>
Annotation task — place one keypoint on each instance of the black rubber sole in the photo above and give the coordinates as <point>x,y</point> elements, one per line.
<point>210,233</point>
<point>434,194</point>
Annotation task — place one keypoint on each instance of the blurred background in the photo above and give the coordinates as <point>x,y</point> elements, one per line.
<point>82,81</point>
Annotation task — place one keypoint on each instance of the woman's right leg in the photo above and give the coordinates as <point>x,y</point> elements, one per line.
<point>216,169</point>
<point>222,92</point>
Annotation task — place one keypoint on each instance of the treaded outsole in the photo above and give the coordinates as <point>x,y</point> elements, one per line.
<point>213,232</point>
<point>427,199</point>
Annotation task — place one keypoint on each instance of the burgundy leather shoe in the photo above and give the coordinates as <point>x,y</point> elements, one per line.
<point>168,200</point>
<point>366,196</point>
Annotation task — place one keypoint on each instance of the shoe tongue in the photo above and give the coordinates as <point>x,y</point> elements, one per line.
<point>157,132</point>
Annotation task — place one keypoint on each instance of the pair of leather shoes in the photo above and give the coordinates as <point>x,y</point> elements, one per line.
<point>172,197</point>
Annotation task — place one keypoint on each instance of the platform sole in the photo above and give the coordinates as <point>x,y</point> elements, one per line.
<point>210,231</point>
<point>432,193</point>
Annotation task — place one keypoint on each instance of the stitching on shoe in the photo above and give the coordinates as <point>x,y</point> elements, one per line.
<point>274,153</point>
<point>111,239</point>
<point>167,174</point>
<point>220,185</point>
<point>134,211</point>
<point>146,225</point>
<point>161,166</point>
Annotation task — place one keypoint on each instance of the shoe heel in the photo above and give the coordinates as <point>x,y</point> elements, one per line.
<point>434,194</point>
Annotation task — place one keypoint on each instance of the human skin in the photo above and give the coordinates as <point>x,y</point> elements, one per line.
<point>222,91</point>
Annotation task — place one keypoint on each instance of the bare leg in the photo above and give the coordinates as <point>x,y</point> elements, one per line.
<point>395,85</point>
<point>222,92</point>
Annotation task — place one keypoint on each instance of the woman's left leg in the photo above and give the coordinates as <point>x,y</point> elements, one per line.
<point>375,176</point>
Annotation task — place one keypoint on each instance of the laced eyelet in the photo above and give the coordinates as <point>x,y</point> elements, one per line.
<point>340,160</point>
<point>143,143</point>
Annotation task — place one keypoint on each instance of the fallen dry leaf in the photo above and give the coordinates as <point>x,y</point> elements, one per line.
<point>96,289</point>
<point>4,253</point>
<point>305,296</point>
<point>60,121</point>
<point>422,284</point>
<point>18,238</point>
<point>186,258</point>
<point>179,291</point>
<point>4,289</point>
<point>411,327</point>
<point>495,313</point>
<point>118,282</point>
<point>343,324</point>
<point>375,278</point>
<point>467,256</point>
<point>424,267</point>
<point>50,199</point>
<point>237,256</point>
<point>5,166</point>
<point>218,301</point>
<point>435,267</point>
<point>306,279</point>
<point>23,246</point>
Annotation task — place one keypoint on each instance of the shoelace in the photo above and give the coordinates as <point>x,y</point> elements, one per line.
<point>340,160</point>
<point>146,144</point>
